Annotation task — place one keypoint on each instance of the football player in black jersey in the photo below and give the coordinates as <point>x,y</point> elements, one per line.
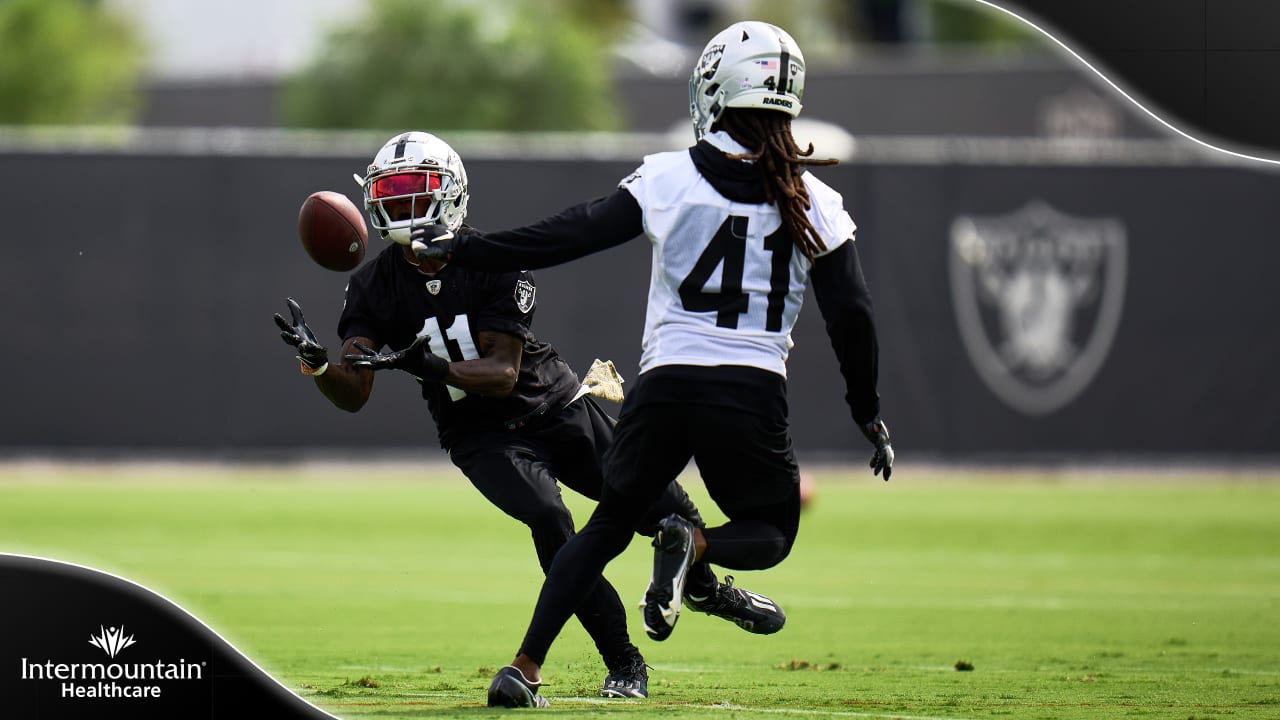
<point>739,230</point>
<point>512,414</point>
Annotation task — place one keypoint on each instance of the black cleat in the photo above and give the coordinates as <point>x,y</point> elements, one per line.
<point>627,678</point>
<point>510,689</point>
<point>672,556</point>
<point>750,611</point>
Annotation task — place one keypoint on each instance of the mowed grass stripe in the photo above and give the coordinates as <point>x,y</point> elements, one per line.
<point>398,597</point>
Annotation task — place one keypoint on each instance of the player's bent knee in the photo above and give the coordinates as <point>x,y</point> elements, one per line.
<point>748,545</point>
<point>772,551</point>
<point>549,520</point>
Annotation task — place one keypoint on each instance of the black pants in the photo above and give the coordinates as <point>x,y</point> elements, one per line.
<point>520,473</point>
<point>746,462</point>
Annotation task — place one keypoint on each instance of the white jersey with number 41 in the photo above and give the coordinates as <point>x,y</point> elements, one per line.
<point>727,283</point>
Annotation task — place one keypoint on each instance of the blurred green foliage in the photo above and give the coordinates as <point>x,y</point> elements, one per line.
<point>975,24</point>
<point>67,62</point>
<point>449,66</point>
<point>821,26</point>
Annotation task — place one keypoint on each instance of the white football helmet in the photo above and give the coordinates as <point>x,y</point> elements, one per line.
<point>749,65</point>
<point>415,179</point>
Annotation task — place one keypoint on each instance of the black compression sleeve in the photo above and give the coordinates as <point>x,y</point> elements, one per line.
<point>845,302</point>
<point>580,230</point>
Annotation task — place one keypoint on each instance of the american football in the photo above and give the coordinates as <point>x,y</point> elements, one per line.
<point>332,231</point>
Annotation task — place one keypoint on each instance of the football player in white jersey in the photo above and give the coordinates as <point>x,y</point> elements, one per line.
<point>739,229</point>
<point>507,408</point>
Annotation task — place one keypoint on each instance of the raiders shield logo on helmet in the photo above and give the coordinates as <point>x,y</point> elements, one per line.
<point>524,295</point>
<point>1037,296</point>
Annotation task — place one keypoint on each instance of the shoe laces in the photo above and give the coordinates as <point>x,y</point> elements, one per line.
<point>632,668</point>
<point>725,596</point>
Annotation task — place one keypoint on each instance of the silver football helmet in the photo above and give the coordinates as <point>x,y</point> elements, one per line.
<point>415,179</point>
<point>749,65</point>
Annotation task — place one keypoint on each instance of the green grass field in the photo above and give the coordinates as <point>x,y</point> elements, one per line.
<point>1100,596</point>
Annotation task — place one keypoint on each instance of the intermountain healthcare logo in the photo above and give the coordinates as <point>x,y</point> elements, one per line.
<point>1037,296</point>
<point>104,680</point>
<point>111,641</point>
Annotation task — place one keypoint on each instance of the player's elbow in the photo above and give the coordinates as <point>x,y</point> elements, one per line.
<point>351,404</point>
<point>498,383</point>
<point>345,396</point>
<point>850,313</point>
<point>353,407</point>
<point>865,312</point>
<point>505,382</point>
<point>857,306</point>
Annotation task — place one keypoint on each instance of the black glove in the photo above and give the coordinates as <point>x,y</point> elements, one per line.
<point>878,433</point>
<point>432,243</point>
<point>417,360</point>
<point>312,355</point>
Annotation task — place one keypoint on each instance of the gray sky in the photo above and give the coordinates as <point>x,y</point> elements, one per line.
<point>233,38</point>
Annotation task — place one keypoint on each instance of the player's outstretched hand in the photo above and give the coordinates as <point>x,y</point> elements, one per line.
<point>311,353</point>
<point>406,359</point>
<point>878,433</point>
<point>432,242</point>
<point>417,359</point>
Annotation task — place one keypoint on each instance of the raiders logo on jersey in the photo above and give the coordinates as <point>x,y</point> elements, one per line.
<point>525,292</point>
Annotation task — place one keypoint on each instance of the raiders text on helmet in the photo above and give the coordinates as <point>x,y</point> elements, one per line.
<point>415,179</point>
<point>749,65</point>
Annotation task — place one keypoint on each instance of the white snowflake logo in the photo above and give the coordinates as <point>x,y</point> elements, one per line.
<point>111,640</point>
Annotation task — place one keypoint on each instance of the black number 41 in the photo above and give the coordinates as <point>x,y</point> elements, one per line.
<point>728,247</point>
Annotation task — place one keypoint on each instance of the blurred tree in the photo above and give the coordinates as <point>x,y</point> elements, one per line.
<point>451,66</point>
<point>815,23</point>
<point>67,62</point>
<point>956,21</point>
<point>606,17</point>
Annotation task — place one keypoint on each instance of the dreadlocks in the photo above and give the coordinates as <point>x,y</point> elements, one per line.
<point>781,164</point>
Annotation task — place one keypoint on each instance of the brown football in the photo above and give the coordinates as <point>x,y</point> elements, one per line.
<point>332,231</point>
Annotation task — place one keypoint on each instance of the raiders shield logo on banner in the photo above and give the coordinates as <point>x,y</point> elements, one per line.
<point>1037,296</point>
<point>524,295</point>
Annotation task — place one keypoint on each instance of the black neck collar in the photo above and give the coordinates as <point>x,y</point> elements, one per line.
<point>736,180</point>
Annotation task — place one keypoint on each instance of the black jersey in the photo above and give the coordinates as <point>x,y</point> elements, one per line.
<point>390,302</point>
